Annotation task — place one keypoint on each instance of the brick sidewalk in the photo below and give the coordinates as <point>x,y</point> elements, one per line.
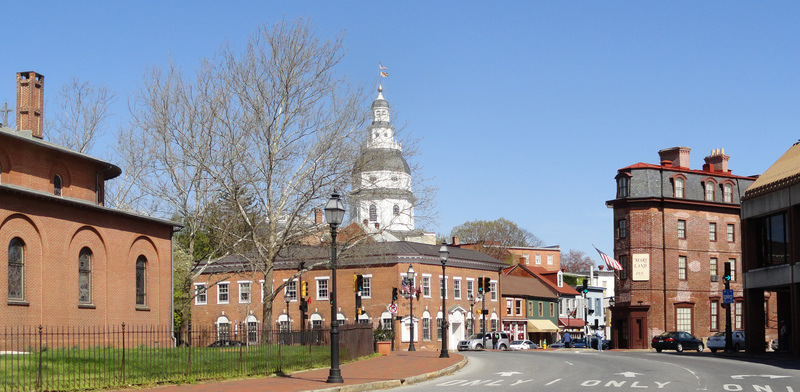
<point>385,372</point>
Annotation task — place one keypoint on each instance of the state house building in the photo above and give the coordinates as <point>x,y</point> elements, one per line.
<point>70,260</point>
<point>674,228</point>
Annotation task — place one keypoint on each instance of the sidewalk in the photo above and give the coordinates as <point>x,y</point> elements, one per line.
<point>399,368</point>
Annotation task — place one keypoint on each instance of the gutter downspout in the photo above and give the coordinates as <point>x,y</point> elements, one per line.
<point>663,249</point>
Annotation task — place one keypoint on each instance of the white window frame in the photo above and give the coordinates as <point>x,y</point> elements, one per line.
<point>681,319</point>
<point>727,193</point>
<point>227,291</point>
<point>527,259</point>
<point>493,290</point>
<point>538,259</point>
<point>470,288</point>
<point>426,285</point>
<point>197,294</point>
<point>457,288</point>
<point>286,289</point>
<point>327,280</point>
<point>249,292</point>
<point>366,292</point>
<point>443,282</point>
<point>730,232</point>
<point>549,259</point>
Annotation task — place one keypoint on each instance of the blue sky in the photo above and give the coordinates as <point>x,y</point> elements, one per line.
<point>525,110</point>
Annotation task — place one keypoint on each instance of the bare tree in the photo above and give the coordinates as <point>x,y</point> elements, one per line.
<point>81,113</point>
<point>495,237</point>
<point>274,122</point>
<point>576,261</point>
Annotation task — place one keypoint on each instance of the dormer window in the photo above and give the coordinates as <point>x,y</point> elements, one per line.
<point>57,185</point>
<point>709,191</point>
<point>679,186</point>
<point>622,187</point>
<point>727,193</point>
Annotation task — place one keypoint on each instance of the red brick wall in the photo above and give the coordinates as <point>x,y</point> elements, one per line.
<point>382,280</point>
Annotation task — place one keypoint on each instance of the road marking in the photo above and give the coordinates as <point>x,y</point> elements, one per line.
<point>553,382</point>
<point>522,382</point>
<point>629,374</point>
<point>620,384</point>
<point>568,363</point>
<point>507,374</point>
<point>742,376</point>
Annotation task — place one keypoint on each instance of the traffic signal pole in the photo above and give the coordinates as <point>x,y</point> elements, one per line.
<point>728,334</point>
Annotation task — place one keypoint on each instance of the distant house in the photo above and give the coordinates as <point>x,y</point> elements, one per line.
<point>531,305</point>
<point>72,261</point>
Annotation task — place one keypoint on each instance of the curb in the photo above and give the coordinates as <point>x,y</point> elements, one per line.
<point>371,386</point>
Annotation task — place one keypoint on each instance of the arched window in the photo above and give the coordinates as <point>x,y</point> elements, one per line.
<point>85,276</point>
<point>373,213</point>
<point>426,326</point>
<point>727,193</point>
<point>141,281</point>
<point>396,210</point>
<point>709,191</point>
<point>57,185</point>
<point>679,184</point>
<point>223,328</point>
<point>16,269</point>
<point>252,329</point>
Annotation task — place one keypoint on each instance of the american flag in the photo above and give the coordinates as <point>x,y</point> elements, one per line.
<point>610,262</point>
<point>405,288</point>
<point>382,67</point>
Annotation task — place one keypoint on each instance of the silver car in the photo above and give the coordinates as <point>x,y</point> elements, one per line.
<point>717,342</point>
<point>479,341</point>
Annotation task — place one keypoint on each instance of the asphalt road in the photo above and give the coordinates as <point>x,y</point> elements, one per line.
<point>589,370</point>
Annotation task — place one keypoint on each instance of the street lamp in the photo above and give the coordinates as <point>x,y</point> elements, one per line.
<point>443,254</point>
<point>334,214</point>
<point>410,277</point>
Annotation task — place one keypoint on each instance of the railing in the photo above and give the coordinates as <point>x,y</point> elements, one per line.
<point>71,358</point>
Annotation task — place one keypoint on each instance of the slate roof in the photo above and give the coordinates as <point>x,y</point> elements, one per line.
<point>518,286</point>
<point>374,254</point>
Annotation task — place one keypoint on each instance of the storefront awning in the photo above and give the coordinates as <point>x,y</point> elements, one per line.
<point>541,326</point>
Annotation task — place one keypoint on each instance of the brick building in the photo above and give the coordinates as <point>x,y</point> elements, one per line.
<point>770,221</point>
<point>230,291</point>
<point>532,305</point>
<point>71,260</point>
<point>674,228</point>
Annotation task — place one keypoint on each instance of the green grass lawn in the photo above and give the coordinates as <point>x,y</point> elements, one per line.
<point>100,367</point>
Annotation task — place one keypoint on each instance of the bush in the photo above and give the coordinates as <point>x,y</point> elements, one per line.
<point>381,335</point>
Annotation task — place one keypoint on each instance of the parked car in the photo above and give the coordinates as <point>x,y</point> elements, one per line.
<point>579,343</point>
<point>678,341</point>
<point>717,342</point>
<point>558,344</point>
<point>227,343</point>
<point>479,341</point>
<point>523,345</point>
<point>606,343</point>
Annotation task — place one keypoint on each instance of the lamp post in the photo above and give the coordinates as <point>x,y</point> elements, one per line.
<point>410,277</point>
<point>471,314</point>
<point>334,214</point>
<point>443,254</point>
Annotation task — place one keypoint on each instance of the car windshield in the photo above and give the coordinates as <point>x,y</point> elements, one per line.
<point>720,334</point>
<point>475,336</point>
<point>517,342</point>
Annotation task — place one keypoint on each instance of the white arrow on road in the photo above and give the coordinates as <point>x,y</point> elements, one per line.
<point>742,376</point>
<point>507,374</point>
<point>629,374</point>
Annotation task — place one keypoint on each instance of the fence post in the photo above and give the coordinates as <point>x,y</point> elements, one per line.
<point>39,378</point>
<point>123,354</point>
<point>189,342</point>
<point>280,359</point>
<point>241,348</point>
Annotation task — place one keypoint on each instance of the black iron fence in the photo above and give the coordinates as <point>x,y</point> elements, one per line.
<point>61,359</point>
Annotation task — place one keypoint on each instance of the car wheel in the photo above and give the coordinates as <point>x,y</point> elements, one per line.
<point>658,350</point>
<point>679,348</point>
<point>502,347</point>
<point>479,347</point>
<point>700,347</point>
<point>713,350</point>
<point>736,348</point>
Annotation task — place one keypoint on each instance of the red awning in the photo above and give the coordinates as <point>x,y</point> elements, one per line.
<point>570,322</point>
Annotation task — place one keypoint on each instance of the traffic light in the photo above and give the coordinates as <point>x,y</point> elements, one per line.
<point>358,283</point>
<point>585,286</point>
<point>480,284</point>
<point>394,294</point>
<point>727,276</point>
<point>303,306</point>
<point>487,285</point>
<point>303,289</point>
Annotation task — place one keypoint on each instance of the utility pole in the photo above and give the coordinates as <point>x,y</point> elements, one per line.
<point>728,334</point>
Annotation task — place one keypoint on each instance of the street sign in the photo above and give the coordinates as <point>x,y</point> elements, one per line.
<point>392,308</point>
<point>727,296</point>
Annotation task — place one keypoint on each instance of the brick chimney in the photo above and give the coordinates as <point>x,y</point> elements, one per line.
<point>717,161</point>
<point>30,102</point>
<point>675,157</point>
<point>456,241</point>
<point>319,217</point>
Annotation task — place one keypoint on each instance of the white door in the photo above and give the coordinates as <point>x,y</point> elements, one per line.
<point>457,330</point>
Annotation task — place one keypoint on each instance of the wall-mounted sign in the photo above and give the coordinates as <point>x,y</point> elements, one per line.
<point>640,266</point>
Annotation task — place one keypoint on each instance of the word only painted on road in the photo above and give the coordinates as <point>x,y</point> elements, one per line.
<point>623,383</point>
<point>483,383</point>
<point>757,388</point>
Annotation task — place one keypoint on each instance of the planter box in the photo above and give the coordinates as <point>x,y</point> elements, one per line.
<point>384,348</point>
